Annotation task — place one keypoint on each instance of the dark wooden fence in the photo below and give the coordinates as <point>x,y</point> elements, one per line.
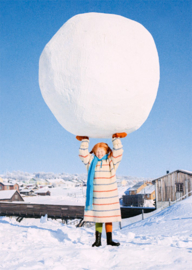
<point>127,212</point>
<point>38,210</point>
<point>64,212</point>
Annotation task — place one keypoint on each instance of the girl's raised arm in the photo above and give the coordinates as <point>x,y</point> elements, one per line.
<point>117,149</point>
<point>117,152</point>
<point>84,154</point>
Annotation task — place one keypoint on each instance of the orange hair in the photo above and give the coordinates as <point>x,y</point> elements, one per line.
<point>102,145</point>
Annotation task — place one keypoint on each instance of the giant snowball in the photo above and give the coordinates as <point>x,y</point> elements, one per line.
<point>99,74</point>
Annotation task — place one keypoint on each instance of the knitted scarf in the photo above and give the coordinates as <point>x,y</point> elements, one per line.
<point>91,172</point>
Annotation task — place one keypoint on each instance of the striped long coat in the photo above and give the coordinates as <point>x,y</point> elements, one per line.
<point>106,207</point>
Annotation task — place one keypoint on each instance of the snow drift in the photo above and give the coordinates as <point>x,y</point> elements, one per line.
<point>163,241</point>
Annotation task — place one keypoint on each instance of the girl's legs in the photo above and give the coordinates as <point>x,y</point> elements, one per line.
<point>109,229</point>
<point>99,227</point>
<point>98,232</point>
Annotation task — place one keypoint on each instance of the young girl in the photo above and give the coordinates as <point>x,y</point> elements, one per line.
<point>102,200</point>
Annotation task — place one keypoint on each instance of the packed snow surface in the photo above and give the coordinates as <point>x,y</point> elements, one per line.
<point>61,196</point>
<point>163,241</point>
<point>64,196</point>
<point>99,74</point>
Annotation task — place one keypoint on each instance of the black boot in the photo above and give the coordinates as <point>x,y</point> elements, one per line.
<point>97,242</point>
<point>110,241</point>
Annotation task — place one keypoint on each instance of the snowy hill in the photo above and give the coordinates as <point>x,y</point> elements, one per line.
<point>25,176</point>
<point>163,241</point>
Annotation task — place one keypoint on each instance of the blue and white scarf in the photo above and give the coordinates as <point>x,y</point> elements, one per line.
<point>91,173</point>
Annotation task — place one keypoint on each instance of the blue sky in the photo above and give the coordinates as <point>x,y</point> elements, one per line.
<point>32,140</point>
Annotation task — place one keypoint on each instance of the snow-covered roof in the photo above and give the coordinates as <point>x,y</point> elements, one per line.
<point>32,180</point>
<point>29,187</point>
<point>26,190</point>
<point>6,194</point>
<point>136,186</point>
<point>127,191</point>
<point>147,190</point>
<point>8,184</point>
<point>183,171</point>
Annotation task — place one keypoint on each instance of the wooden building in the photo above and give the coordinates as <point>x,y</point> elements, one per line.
<point>172,186</point>
<point>138,194</point>
<point>137,188</point>
<point>9,186</point>
<point>10,196</point>
<point>148,192</point>
<point>27,192</point>
<point>43,192</point>
<point>146,188</point>
<point>133,200</point>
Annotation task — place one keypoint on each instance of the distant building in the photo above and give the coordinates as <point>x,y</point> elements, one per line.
<point>42,182</point>
<point>69,184</point>
<point>123,183</point>
<point>31,186</point>
<point>127,191</point>
<point>138,194</point>
<point>32,181</point>
<point>10,196</point>
<point>9,186</point>
<point>148,192</point>
<point>43,192</point>
<point>137,188</point>
<point>27,192</point>
<point>56,182</point>
<point>172,186</point>
<point>133,200</point>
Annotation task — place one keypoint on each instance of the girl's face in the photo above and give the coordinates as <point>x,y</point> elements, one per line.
<point>100,152</point>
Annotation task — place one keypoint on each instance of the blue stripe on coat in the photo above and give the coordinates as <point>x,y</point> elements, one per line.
<point>83,148</point>
<point>116,163</point>
<point>117,148</point>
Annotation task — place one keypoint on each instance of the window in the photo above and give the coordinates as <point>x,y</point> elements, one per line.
<point>179,187</point>
<point>1,187</point>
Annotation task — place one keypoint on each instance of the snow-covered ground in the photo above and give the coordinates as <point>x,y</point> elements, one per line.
<point>60,195</point>
<point>65,196</point>
<point>163,241</point>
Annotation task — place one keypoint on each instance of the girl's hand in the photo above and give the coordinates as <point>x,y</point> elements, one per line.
<point>80,138</point>
<point>119,135</point>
